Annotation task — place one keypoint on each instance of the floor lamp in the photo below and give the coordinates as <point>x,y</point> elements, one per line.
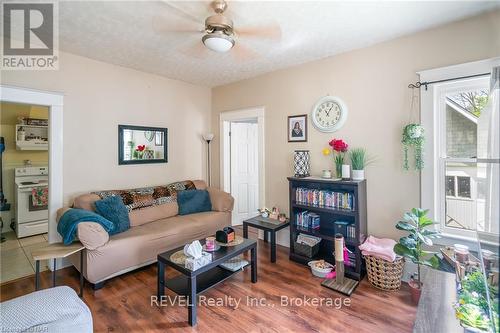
<point>208,137</point>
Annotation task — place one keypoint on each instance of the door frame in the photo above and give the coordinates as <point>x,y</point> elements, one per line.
<point>54,101</point>
<point>255,113</point>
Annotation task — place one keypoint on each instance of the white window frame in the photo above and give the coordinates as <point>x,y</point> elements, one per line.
<point>433,116</point>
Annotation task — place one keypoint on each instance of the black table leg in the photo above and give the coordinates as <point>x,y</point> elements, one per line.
<point>192,301</point>
<point>54,274</point>
<point>37,275</point>
<point>273,246</point>
<point>161,280</point>
<point>253,252</point>
<point>81,273</point>
<point>245,230</point>
<point>266,237</point>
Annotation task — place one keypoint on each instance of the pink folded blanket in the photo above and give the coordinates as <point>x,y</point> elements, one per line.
<point>382,248</point>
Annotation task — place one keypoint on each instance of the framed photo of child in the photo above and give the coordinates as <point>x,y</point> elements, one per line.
<point>297,128</point>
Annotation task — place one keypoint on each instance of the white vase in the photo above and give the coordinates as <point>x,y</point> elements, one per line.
<point>358,174</point>
<point>346,171</point>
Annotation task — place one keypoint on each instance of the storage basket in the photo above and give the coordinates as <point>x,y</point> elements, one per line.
<point>306,250</point>
<point>384,274</point>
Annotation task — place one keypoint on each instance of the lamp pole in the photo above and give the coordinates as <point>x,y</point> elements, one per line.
<point>208,138</point>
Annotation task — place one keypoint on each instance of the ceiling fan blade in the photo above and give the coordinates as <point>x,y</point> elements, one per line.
<point>195,50</point>
<point>183,13</point>
<point>162,24</point>
<point>242,53</point>
<point>272,31</point>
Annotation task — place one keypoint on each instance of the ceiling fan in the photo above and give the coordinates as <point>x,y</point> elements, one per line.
<point>219,33</point>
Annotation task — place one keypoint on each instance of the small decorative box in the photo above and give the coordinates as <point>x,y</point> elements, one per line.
<point>194,264</point>
<point>226,235</point>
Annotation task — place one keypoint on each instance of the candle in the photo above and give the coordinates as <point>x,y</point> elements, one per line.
<point>210,243</point>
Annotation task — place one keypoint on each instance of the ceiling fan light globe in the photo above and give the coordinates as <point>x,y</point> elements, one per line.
<point>218,42</point>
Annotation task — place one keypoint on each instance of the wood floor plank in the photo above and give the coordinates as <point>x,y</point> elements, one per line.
<point>124,303</point>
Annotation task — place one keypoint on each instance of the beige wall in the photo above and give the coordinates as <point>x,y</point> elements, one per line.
<point>98,97</point>
<point>373,83</point>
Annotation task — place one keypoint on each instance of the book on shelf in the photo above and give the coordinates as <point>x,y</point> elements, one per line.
<point>351,231</point>
<point>324,198</point>
<point>307,220</point>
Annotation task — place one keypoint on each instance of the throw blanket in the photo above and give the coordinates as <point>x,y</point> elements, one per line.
<point>139,198</point>
<point>382,248</point>
<point>68,223</point>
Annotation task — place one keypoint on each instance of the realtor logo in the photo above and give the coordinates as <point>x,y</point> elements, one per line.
<point>29,33</point>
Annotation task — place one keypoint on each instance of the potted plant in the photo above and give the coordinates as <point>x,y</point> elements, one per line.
<point>358,163</point>
<point>413,136</point>
<point>416,223</point>
<point>340,147</point>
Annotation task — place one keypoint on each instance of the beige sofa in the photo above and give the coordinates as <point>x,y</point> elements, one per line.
<point>153,230</point>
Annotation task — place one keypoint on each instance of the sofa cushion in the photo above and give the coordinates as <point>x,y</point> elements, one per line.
<point>142,244</point>
<point>193,201</point>
<point>221,201</point>
<point>92,235</point>
<point>153,213</point>
<point>113,209</point>
<point>86,201</point>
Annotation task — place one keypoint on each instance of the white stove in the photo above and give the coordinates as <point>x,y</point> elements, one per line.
<point>31,218</point>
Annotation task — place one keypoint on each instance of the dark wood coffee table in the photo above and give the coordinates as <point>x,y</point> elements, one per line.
<point>192,283</point>
<point>269,226</point>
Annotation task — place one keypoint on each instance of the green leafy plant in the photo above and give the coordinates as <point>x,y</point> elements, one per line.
<point>472,316</point>
<point>413,136</point>
<point>359,158</point>
<point>416,223</point>
<point>473,297</point>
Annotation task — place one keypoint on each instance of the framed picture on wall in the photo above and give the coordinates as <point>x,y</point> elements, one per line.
<point>297,128</point>
<point>142,145</point>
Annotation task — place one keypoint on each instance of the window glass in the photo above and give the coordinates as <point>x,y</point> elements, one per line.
<point>450,186</point>
<point>462,112</point>
<point>461,201</point>
<point>463,187</point>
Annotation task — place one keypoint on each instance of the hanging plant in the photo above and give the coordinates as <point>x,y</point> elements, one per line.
<point>413,136</point>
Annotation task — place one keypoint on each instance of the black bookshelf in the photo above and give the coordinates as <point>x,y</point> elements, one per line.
<point>328,215</point>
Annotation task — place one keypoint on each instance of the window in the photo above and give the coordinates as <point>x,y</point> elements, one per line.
<point>455,182</point>
<point>450,186</point>
<point>458,186</point>
<point>463,187</point>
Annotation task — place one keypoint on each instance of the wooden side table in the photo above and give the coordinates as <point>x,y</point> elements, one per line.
<point>56,251</point>
<point>268,226</point>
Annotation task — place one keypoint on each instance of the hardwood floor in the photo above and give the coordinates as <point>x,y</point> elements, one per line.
<point>124,303</point>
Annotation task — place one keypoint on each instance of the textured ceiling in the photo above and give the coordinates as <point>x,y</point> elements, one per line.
<point>150,35</point>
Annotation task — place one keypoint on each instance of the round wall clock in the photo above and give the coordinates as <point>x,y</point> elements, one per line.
<point>329,114</point>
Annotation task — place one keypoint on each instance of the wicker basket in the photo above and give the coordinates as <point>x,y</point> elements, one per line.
<point>384,274</point>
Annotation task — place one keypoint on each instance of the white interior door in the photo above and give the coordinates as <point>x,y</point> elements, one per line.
<point>244,170</point>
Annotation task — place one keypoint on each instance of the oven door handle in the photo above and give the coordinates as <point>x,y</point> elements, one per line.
<point>33,225</point>
<point>29,189</point>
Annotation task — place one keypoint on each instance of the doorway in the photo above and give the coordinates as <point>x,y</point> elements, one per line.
<point>242,161</point>
<point>31,123</point>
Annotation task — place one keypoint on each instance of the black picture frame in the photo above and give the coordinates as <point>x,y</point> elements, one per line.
<point>121,145</point>
<point>300,119</point>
